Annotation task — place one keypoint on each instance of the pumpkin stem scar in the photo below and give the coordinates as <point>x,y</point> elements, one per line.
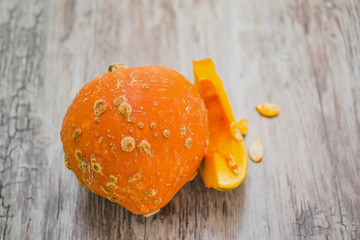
<point>116,66</point>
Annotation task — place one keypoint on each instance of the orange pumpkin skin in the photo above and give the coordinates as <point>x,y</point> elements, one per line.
<point>136,136</point>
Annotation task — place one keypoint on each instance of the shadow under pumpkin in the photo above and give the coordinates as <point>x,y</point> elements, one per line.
<point>193,205</point>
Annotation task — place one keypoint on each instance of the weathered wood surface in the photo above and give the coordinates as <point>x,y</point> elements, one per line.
<point>303,55</point>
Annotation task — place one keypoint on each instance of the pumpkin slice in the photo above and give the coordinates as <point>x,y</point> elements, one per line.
<point>225,163</point>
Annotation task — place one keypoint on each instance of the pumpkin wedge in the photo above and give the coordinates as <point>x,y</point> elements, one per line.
<point>225,163</point>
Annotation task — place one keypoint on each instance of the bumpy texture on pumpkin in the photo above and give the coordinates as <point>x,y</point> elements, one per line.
<point>136,136</point>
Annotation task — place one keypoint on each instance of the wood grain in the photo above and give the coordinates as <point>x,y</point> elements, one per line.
<point>303,55</point>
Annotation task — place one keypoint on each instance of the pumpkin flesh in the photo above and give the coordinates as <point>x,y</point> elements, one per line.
<point>224,166</point>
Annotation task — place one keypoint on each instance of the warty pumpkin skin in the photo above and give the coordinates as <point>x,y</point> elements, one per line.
<point>135,136</point>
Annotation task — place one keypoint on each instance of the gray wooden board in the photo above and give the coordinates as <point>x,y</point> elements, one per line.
<point>303,55</point>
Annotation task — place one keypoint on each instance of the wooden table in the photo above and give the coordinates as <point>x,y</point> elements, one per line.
<point>303,55</point>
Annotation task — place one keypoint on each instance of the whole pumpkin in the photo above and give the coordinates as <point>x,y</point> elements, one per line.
<point>135,136</point>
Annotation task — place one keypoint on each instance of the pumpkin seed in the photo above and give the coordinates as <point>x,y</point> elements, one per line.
<point>256,151</point>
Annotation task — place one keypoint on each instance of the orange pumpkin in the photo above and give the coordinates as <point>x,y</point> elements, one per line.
<point>135,136</point>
